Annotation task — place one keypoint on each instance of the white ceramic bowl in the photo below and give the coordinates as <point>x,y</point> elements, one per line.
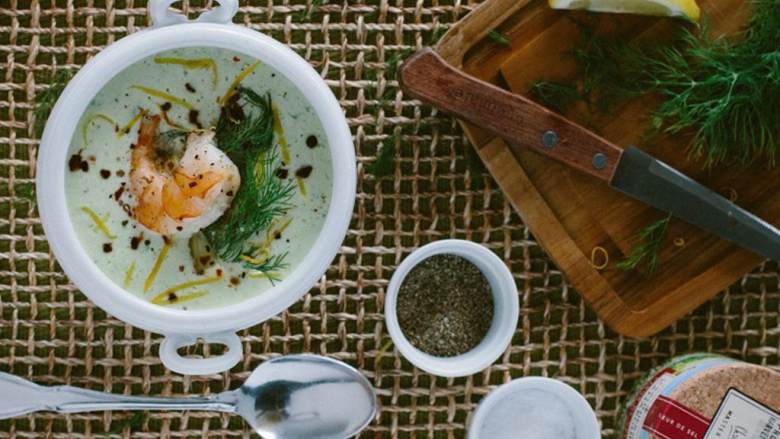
<point>182,328</point>
<point>505,310</point>
<point>584,419</point>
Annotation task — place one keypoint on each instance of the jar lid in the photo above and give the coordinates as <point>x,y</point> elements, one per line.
<point>534,408</point>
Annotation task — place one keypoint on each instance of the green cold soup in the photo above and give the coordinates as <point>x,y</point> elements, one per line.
<point>155,212</point>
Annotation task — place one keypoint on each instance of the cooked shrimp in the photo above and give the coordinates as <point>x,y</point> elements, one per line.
<point>179,193</point>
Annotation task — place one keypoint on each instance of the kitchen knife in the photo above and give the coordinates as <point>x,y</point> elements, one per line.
<point>427,77</point>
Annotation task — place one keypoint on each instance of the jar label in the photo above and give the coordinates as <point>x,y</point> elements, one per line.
<point>668,419</point>
<point>741,417</point>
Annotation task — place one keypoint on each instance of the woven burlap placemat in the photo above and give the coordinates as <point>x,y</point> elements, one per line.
<point>50,333</point>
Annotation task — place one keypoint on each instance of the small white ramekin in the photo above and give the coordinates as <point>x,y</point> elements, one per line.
<point>584,419</point>
<point>506,310</point>
<point>181,328</point>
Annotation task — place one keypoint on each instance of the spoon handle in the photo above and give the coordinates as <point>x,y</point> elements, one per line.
<point>19,396</point>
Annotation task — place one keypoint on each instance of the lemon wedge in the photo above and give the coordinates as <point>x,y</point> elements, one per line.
<point>670,8</point>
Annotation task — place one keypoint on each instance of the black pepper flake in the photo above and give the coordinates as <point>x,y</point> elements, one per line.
<point>193,118</point>
<point>181,268</point>
<point>172,297</point>
<point>311,141</point>
<point>179,228</point>
<point>147,242</point>
<point>77,163</point>
<point>105,173</point>
<point>219,272</point>
<point>135,241</point>
<point>189,87</point>
<point>304,171</point>
<point>107,247</point>
<point>445,306</point>
<point>124,223</point>
<point>120,173</point>
<point>234,281</point>
<point>236,59</point>
<point>229,193</point>
<point>282,173</point>
<point>192,184</point>
<point>166,106</point>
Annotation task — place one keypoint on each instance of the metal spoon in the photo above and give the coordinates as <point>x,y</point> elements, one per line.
<point>290,397</point>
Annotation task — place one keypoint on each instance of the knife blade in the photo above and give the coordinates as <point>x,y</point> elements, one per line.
<point>427,77</point>
<point>647,179</point>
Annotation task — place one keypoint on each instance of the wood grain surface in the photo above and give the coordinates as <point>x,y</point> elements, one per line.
<point>572,213</point>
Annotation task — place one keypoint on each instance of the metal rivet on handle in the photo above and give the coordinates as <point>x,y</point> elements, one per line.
<point>599,161</point>
<point>549,139</point>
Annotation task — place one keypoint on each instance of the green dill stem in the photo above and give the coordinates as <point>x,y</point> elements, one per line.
<point>648,248</point>
<point>384,164</point>
<point>45,100</point>
<point>499,38</point>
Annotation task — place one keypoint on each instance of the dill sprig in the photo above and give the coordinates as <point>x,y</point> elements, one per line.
<point>648,247</point>
<point>726,92</point>
<point>384,164</point>
<point>247,138</point>
<point>499,38</point>
<point>45,100</point>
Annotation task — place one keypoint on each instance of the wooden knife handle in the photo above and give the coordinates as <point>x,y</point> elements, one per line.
<point>427,77</point>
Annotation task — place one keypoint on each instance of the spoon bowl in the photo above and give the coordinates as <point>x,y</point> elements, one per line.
<point>335,400</point>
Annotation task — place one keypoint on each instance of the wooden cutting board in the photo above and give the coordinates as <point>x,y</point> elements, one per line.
<point>570,213</point>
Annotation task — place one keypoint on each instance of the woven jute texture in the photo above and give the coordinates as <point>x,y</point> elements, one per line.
<point>50,332</point>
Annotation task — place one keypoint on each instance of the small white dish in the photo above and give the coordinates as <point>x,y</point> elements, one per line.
<point>506,309</point>
<point>182,328</point>
<point>584,421</point>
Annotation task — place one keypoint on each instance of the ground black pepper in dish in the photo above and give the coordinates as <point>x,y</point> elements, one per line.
<point>445,306</point>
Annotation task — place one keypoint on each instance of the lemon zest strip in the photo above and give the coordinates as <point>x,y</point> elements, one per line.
<point>99,222</point>
<point>91,118</point>
<point>233,85</point>
<point>129,274</point>
<point>279,130</point>
<point>194,63</point>
<point>594,253</point>
<point>156,268</point>
<point>179,299</point>
<point>163,95</point>
<point>301,185</point>
<point>126,129</point>
<point>162,297</point>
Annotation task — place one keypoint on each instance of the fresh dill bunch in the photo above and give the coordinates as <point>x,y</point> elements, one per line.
<point>555,95</point>
<point>726,92</point>
<point>45,100</point>
<point>247,139</point>
<point>648,247</point>
<point>384,164</point>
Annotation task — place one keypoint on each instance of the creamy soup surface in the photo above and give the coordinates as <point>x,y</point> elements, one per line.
<point>186,91</point>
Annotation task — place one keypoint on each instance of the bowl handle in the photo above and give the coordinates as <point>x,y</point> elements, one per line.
<point>162,16</point>
<point>200,366</point>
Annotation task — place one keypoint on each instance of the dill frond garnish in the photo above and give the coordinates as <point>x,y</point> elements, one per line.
<point>648,247</point>
<point>245,133</point>
<point>384,164</point>
<point>45,100</point>
<point>499,38</point>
